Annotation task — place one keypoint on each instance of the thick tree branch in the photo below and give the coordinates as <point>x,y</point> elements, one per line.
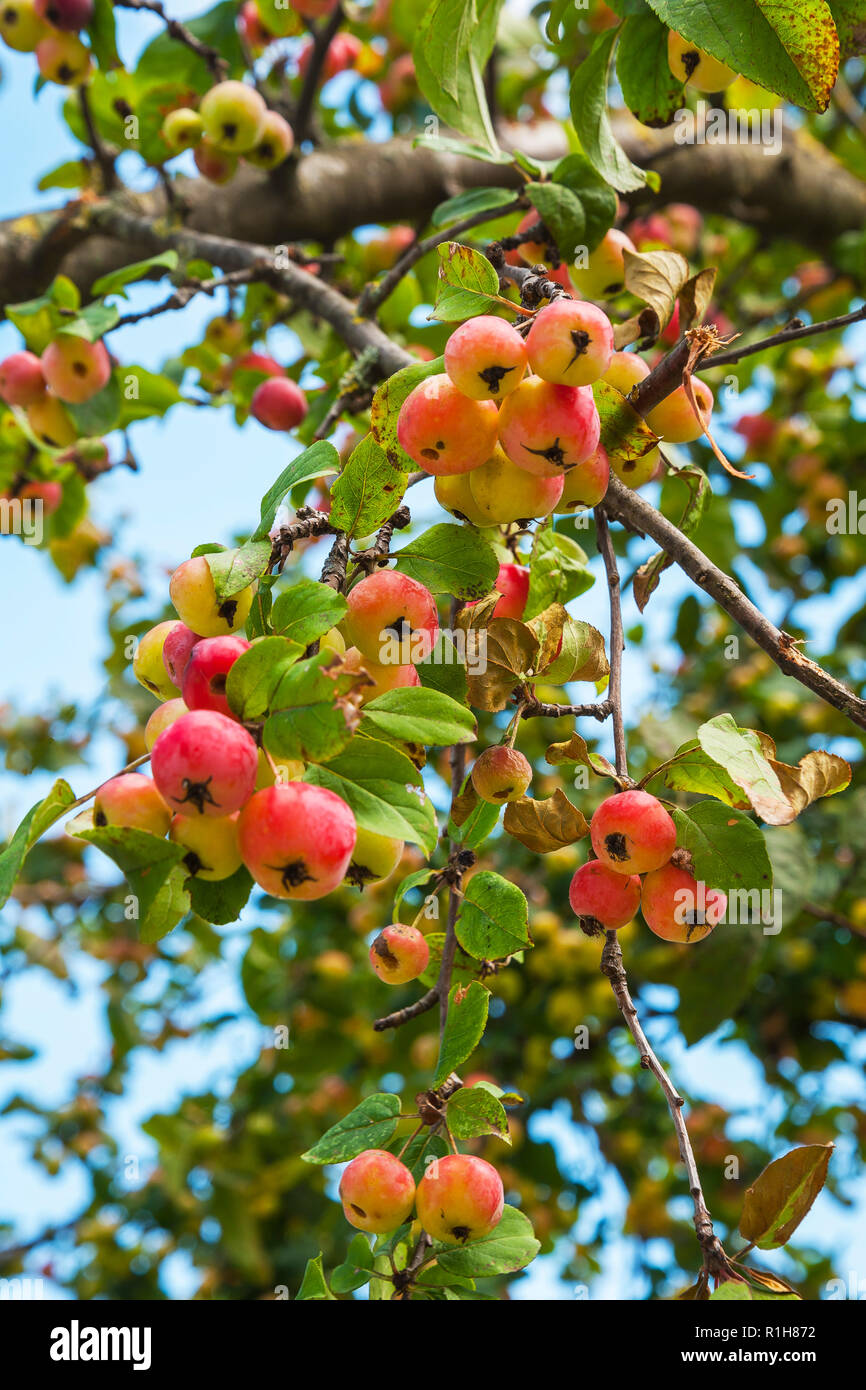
<point>631,509</point>
<point>802,193</point>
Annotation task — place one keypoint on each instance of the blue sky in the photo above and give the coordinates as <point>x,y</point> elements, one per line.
<point>201,479</point>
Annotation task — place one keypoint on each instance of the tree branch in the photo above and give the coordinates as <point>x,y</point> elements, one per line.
<point>715,1261</point>
<point>214,60</point>
<point>617,640</point>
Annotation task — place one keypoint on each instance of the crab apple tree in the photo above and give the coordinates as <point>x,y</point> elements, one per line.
<point>414,420</point>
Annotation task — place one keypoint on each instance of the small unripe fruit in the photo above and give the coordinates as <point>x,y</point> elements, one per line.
<point>512,581</point>
<point>275,143</point>
<point>297,840</point>
<point>485,358</point>
<point>602,898</point>
<point>182,129</point>
<point>334,641</point>
<point>502,492</point>
<point>501,774</point>
<point>632,833</point>
<point>283,770</point>
<point>148,666</point>
<point>62,58</point>
<point>391,618</point>
<point>233,115</point>
<point>204,679</point>
<point>377,1192</point>
<point>460,1198</point>
<point>205,764</point>
<point>21,26</point>
<point>279,403</point>
<point>634,472</point>
<point>214,164</point>
<point>585,485</point>
<point>604,273</point>
<point>673,418</point>
<point>443,430</point>
<point>176,651</point>
<point>692,65</point>
<point>374,858</point>
<point>570,343</point>
<point>679,908</point>
<point>131,800</point>
<point>454,492</point>
<point>21,379</point>
<point>193,594</point>
<point>549,429</point>
<point>70,15</point>
<point>51,424</point>
<point>75,369</point>
<point>211,844</point>
<point>162,716</point>
<point>399,954</point>
<point>625,370</point>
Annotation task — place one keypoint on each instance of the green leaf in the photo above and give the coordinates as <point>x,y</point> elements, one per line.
<point>450,559</point>
<point>463,970</point>
<point>464,1028</point>
<point>740,753</point>
<point>384,790</point>
<point>92,321</point>
<point>562,213</point>
<point>101,414</point>
<point>416,715</point>
<point>385,410</point>
<point>510,1246</point>
<point>72,173</point>
<point>649,88</point>
<point>588,100</point>
<point>470,203</point>
<point>443,670</point>
<point>780,1197</point>
<point>697,772</point>
<point>165,61</point>
<point>728,848</point>
<point>368,490</point>
<point>597,198</point>
<point>234,570</point>
<point>473,1111</point>
<point>371,1125</point>
<point>624,434</point>
<point>558,571</point>
<point>475,825</point>
<point>731,1292</point>
<point>493,919</point>
<point>314,1285</point>
<point>102,32</point>
<point>144,394</point>
<point>115,282</point>
<point>320,460</point>
<point>467,284</point>
<point>34,824</point>
<point>789,49</point>
<point>355,1272</point>
<point>849,17</point>
<point>312,719</point>
<point>454,41</point>
<point>223,901</point>
<point>152,869</point>
<point>307,611</point>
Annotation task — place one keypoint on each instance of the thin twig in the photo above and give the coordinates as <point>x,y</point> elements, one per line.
<point>715,1261</point>
<point>214,60</point>
<point>104,157</point>
<point>617,640</point>
<point>321,43</point>
<point>376,293</point>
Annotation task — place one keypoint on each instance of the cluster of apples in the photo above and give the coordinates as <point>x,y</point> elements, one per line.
<point>459,1198</point>
<point>50,29</point>
<point>69,372</point>
<point>632,835</point>
<point>213,789</point>
<point>232,121</point>
<point>505,446</point>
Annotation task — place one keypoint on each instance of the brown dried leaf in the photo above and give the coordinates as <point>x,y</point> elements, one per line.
<point>512,650</point>
<point>593,664</point>
<point>576,751</point>
<point>695,297</point>
<point>544,826</point>
<point>548,627</point>
<point>656,277</point>
<point>783,1193</point>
